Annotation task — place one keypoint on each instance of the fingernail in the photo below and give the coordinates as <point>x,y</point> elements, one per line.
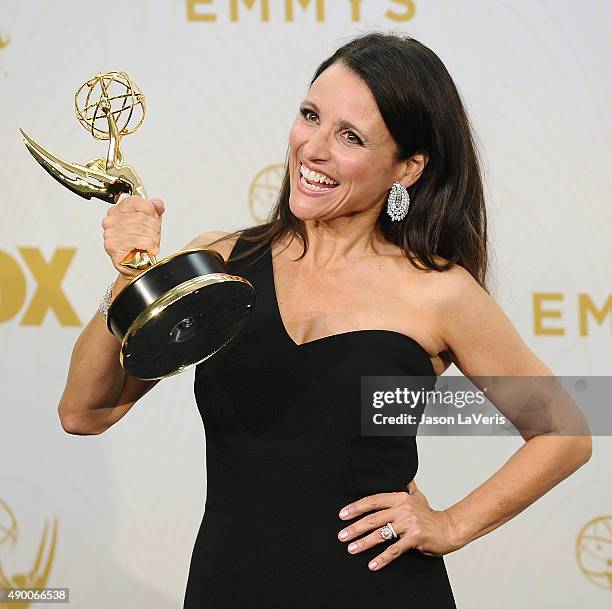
<point>352,547</point>
<point>343,513</point>
<point>373,565</point>
<point>343,534</point>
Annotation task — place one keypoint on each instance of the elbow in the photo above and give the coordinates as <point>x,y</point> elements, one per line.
<point>580,451</point>
<point>75,430</point>
<point>74,426</point>
<point>586,448</point>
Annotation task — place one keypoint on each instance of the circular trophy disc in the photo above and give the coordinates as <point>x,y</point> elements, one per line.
<point>186,325</point>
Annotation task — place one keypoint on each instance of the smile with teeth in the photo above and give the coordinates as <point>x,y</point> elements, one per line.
<point>311,179</point>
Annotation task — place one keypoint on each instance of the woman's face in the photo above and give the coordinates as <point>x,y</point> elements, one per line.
<point>358,158</point>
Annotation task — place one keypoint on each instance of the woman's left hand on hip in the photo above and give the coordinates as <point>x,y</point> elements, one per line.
<point>417,525</point>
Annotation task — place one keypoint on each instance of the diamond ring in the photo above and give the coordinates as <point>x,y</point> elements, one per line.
<point>388,532</point>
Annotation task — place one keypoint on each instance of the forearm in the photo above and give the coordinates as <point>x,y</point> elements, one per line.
<point>95,377</point>
<point>540,464</point>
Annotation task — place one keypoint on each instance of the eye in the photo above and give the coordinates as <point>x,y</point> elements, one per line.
<point>357,139</point>
<point>305,112</point>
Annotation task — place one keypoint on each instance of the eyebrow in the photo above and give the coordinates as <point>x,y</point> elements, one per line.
<point>344,124</point>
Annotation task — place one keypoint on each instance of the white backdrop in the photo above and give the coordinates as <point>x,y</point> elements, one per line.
<point>221,96</point>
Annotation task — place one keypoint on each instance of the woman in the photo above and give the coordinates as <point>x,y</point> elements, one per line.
<point>374,263</point>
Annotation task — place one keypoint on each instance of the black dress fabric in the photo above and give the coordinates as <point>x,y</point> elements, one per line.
<point>284,453</point>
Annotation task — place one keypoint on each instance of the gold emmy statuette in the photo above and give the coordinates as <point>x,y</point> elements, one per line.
<point>178,311</point>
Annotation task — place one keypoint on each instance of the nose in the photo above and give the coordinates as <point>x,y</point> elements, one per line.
<point>317,147</point>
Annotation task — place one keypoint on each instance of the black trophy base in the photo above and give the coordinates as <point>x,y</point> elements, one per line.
<point>178,313</point>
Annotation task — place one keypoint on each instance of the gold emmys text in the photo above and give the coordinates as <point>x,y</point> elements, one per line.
<point>206,10</point>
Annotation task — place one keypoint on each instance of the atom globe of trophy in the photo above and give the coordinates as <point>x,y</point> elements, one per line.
<point>180,310</point>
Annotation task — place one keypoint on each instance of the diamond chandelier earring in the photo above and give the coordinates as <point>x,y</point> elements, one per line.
<point>398,201</point>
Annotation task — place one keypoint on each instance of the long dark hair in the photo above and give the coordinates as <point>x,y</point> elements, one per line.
<point>423,111</point>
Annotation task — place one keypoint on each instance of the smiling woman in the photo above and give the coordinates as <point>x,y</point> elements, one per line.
<point>395,289</point>
<point>373,263</point>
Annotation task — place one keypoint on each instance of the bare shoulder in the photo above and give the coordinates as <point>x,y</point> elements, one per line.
<point>454,296</point>
<point>455,285</point>
<point>479,336</point>
<point>214,240</point>
<point>439,290</point>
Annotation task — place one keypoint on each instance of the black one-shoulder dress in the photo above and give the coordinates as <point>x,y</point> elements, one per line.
<point>284,452</point>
